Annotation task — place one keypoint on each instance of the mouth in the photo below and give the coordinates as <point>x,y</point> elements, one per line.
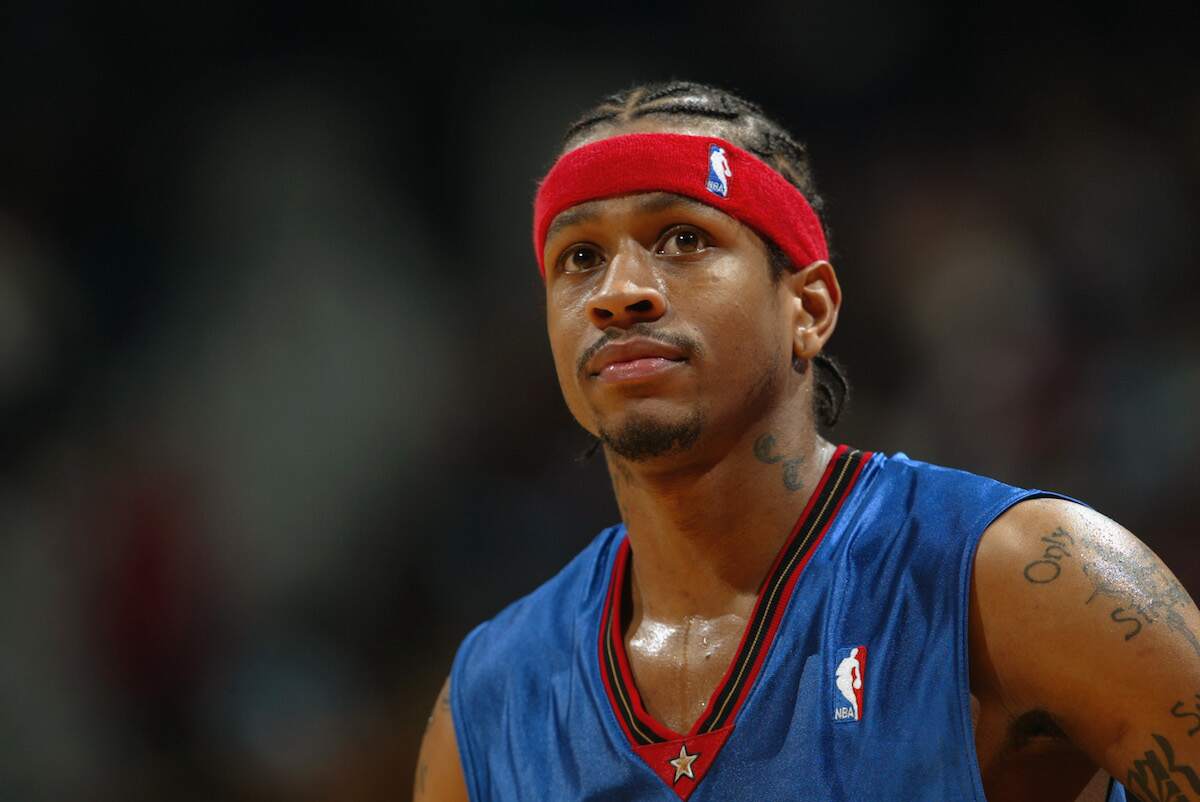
<point>637,369</point>
<point>632,360</point>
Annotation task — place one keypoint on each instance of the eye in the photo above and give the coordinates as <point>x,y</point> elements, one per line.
<point>580,258</point>
<point>682,240</point>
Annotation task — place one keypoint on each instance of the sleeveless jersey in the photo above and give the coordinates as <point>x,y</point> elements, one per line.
<point>850,682</point>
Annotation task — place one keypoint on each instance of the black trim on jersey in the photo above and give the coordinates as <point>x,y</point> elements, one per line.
<point>821,513</point>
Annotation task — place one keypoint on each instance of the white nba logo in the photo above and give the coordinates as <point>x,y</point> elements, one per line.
<point>849,677</point>
<point>718,171</point>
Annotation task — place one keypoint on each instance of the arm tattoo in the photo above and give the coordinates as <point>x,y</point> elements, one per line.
<point>1143,589</point>
<point>1158,778</point>
<point>1048,566</point>
<point>764,451</point>
<point>1137,587</point>
<point>1180,711</point>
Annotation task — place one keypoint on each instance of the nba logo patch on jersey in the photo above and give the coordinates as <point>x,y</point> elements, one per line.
<point>718,171</point>
<point>849,677</point>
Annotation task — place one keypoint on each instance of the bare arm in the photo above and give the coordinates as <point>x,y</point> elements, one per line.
<point>1076,617</point>
<point>439,772</point>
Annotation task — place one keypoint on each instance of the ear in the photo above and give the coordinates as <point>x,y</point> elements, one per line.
<point>816,299</point>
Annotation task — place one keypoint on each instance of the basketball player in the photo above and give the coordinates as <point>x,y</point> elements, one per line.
<point>777,617</point>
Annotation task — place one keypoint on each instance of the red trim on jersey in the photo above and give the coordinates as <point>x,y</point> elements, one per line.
<point>618,570</point>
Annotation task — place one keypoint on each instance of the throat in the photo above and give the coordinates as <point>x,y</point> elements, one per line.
<point>704,541</point>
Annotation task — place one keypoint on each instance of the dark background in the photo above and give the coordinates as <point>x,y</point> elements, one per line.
<point>279,422</point>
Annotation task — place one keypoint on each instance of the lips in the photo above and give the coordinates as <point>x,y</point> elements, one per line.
<point>635,359</point>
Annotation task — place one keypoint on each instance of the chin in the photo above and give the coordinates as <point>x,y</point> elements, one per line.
<point>641,437</point>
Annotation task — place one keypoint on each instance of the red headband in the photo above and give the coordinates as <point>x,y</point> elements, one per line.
<point>703,168</point>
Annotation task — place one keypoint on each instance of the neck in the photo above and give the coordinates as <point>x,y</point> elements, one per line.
<point>704,533</point>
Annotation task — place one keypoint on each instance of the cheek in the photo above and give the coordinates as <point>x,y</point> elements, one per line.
<point>566,344</point>
<point>747,332</point>
<point>756,350</point>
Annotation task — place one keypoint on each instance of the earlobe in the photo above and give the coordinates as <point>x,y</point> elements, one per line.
<point>816,299</point>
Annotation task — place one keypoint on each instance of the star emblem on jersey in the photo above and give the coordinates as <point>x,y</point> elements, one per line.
<point>683,764</point>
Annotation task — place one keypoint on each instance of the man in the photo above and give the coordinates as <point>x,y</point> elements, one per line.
<point>778,618</point>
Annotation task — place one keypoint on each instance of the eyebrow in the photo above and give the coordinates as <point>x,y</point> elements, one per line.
<point>659,201</point>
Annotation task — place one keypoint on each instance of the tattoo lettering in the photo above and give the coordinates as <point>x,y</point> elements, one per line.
<point>1179,710</point>
<point>1144,590</point>
<point>422,770</point>
<point>764,451</point>
<point>1129,618</point>
<point>1047,567</point>
<point>1154,780</point>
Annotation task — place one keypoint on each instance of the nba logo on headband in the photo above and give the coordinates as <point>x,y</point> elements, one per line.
<point>718,171</point>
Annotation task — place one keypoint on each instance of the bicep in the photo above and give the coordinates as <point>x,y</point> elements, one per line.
<point>439,775</point>
<point>1082,620</point>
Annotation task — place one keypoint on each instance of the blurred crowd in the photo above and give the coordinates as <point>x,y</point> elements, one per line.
<point>279,418</point>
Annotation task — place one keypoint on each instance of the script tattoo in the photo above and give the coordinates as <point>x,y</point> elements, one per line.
<point>1143,589</point>
<point>764,451</point>
<point>1046,568</point>
<point>1158,778</point>
<point>1179,710</point>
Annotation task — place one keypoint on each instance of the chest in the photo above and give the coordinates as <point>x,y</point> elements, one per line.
<point>678,665</point>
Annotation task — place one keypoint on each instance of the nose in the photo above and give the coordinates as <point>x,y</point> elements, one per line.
<point>628,294</point>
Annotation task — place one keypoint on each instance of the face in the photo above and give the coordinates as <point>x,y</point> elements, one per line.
<point>667,329</point>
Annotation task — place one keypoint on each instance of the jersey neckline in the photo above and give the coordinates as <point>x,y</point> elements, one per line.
<point>653,740</point>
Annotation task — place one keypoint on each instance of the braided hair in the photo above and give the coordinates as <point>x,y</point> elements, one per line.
<point>747,126</point>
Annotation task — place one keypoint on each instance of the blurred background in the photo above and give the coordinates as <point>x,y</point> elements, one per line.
<point>279,421</point>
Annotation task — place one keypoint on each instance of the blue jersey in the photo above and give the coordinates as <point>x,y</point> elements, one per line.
<point>850,683</point>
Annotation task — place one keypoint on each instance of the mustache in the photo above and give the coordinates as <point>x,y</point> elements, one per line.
<point>645,330</point>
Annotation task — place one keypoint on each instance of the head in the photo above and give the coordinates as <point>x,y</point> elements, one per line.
<point>672,321</point>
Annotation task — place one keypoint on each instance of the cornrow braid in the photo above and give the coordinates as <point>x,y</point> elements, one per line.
<point>746,125</point>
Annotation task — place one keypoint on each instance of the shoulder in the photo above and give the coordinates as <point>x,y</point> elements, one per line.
<point>515,656</point>
<point>962,504</point>
<point>1047,568</point>
<point>899,468</point>
<point>1098,578</point>
<point>1058,544</point>
<point>540,627</point>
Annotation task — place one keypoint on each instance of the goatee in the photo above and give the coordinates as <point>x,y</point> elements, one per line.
<point>642,438</point>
